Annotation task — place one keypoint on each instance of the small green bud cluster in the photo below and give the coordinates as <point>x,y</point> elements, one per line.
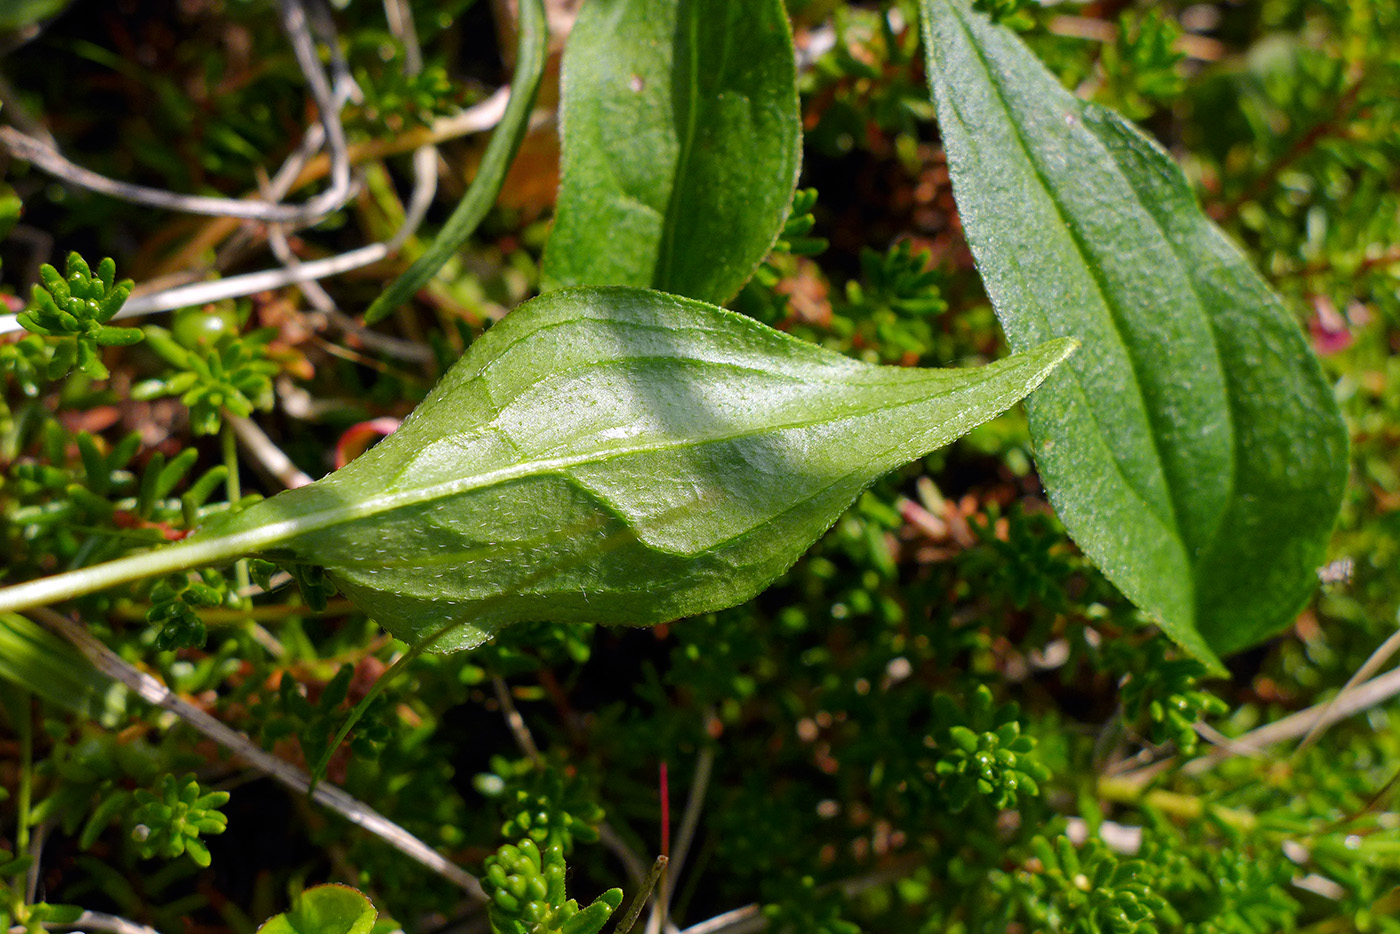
<point>1089,891</point>
<point>396,102</point>
<point>899,281</point>
<point>170,823</point>
<point>526,888</point>
<point>794,238</point>
<point>1141,67</point>
<point>1160,697</point>
<point>175,604</point>
<point>78,306</point>
<point>233,374</point>
<point>985,755</point>
<point>538,802</point>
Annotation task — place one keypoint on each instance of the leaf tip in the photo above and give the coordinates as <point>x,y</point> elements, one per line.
<point>378,310</point>
<point>1050,355</point>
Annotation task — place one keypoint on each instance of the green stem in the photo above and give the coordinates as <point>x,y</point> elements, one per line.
<point>228,441</point>
<point>375,690</point>
<point>26,771</point>
<point>481,195</point>
<point>234,487</point>
<point>639,900</point>
<point>380,683</point>
<point>1183,806</point>
<point>185,556</point>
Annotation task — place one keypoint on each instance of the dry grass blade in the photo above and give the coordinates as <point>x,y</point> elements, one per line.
<point>1368,668</point>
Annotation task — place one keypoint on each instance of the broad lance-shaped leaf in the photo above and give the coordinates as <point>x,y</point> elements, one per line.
<point>682,138</point>
<point>607,456</point>
<point>1193,447</point>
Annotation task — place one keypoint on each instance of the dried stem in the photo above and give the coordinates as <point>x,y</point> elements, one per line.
<point>514,720</point>
<point>98,921</point>
<point>329,796</point>
<point>295,23</point>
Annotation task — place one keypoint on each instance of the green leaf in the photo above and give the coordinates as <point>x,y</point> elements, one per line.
<point>18,14</point>
<point>615,456</point>
<point>600,455</point>
<point>682,140</point>
<point>1193,447</point>
<point>58,914</point>
<point>41,662</point>
<point>325,909</point>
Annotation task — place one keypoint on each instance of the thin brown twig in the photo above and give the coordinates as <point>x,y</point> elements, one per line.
<point>750,918</point>
<point>337,164</point>
<point>1377,659</point>
<point>639,900</point>
<point>1295,725</point>
<point>295,23</point>
<point>515,721</point>
<point>690,821</point>
<point>336,799</point>
<point>262,449</point>
<point>478,118</point>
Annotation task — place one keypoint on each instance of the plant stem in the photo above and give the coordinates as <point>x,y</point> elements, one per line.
<point>380,683</point>
<point>234,486</point>
<point>346,805</point>
<point>25,727</point>
<point>639,900</point>
<point>184,556</point>
<point>1188,807</point>
<point>228,442</point>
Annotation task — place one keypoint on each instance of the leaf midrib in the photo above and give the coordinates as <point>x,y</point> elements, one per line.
<point>455,557</point>
<point>1231,403</point>
<point>274,533</point>
<point>666,263</point>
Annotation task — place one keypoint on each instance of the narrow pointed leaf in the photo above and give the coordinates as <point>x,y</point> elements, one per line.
<point>38,661</point>
<point>682,139</point>
<point>531,53</point>
<point>1192,447</point>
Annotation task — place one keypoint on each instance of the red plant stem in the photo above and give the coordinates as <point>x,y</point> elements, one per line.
<point>665,813</point>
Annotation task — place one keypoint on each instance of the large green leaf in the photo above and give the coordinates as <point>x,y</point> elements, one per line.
<point>601,455</point>
<point>682,140</point>
<point>325,909</point>
<point>1192,448</point>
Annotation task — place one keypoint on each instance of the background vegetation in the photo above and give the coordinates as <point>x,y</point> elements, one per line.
<point>943,718</point>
